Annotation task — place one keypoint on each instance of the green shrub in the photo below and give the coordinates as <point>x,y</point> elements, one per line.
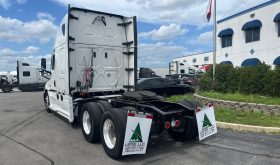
<point>206,82</point>
<point>260,79</point>
<point>222,77</point>
<point>272,83</point>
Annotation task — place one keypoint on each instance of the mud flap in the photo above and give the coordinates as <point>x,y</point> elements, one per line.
<point>137,133</point>
<point>206,122</point>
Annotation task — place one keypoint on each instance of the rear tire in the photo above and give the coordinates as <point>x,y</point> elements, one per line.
<point>104,106</point>
<point>190,132</point>
<point>6,87</point>
<point>90,120</point>
<point>112,136</point>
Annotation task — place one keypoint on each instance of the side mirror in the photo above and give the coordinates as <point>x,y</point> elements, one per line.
<point>43,63</point>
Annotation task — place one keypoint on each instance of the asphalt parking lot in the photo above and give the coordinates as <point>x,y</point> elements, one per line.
<point>29,135</point>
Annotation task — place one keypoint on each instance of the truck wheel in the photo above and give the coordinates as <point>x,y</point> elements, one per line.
<point>190,132</point>
<point>104,105</point>
<point>6,87</point>
<point>47,102</point>
<point>112,131</point>
<point>90,119</point>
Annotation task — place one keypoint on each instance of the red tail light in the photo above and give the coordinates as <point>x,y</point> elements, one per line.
<point>149,116</point>
<point>167,125</point>
<point>177,123</point>
<point>131,114</point>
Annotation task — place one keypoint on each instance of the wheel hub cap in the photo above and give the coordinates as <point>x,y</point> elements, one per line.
<point>86,122</point>
<point>109,133</point>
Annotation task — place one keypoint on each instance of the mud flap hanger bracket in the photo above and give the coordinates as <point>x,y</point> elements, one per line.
<point>101,18</point>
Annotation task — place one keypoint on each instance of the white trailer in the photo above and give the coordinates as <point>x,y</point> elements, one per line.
<point>29,76</point>
<point>92,81</point>
<point>177,67</point>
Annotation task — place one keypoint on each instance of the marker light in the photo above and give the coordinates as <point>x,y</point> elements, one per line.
<point>198,109</point>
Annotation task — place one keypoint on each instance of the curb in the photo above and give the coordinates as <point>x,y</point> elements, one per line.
<point>248,128</point>
<point>252,107</point>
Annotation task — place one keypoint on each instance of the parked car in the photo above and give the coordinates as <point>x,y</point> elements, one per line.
<point>184,78</point>
<point>163,86</point>
<point>146,73</point>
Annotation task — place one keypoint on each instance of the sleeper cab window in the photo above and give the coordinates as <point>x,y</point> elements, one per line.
<point>25,64</point>
<point>26,73</point>
<point>63,29</point>
<point>53,62</point>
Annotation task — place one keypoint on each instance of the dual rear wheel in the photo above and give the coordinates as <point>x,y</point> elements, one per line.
<point>101,122</point>
<point>109,127</point>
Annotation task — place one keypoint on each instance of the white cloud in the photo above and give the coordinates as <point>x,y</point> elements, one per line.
<point>159,54</point>
<point>21,1</point>
<point>165,11</point>
<point>18,31</point>
<point>164,32</point>
<point>9,57</point>
<point>205,38</point>
<point>42,15</point>
<point>31,49</point>
<point>5,4</point>
<point>7,52</point>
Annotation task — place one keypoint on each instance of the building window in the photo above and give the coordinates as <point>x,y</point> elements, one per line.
<point>252,35</point>
<point>184,60</point>
<point>25,64</point>
<point>226,41</point>
<point>194,60</point>
<point>26,74</point>
<point>206,58</point>
<point>182,71</point>
<point>278,29</point>
<point>181,64</point>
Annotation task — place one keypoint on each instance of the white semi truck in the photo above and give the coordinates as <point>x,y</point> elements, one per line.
<point>92,81</point>
<point>29,76</point>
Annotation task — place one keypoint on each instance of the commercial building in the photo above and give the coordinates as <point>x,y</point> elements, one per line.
<point>246,38</point>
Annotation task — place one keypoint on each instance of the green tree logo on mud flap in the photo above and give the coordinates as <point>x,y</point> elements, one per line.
<point>206,122</point>
<point>136,136</point>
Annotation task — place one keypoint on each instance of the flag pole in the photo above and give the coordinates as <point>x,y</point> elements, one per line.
<point>214,40</point>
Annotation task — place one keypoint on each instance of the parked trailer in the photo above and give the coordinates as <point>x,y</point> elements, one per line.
<point>29,76</point>
<point>92,81</point>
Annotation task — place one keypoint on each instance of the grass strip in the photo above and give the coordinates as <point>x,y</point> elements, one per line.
<point>242,98</point>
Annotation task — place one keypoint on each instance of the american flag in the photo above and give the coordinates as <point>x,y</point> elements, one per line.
<point>209,11</point>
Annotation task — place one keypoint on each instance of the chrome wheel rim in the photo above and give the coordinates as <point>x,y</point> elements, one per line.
<point>86,122</point>
<point>109,133</point>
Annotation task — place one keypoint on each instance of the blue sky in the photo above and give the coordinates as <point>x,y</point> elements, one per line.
<point>166,28</point>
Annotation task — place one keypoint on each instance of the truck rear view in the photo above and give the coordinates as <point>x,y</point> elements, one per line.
<point>92,81</point>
